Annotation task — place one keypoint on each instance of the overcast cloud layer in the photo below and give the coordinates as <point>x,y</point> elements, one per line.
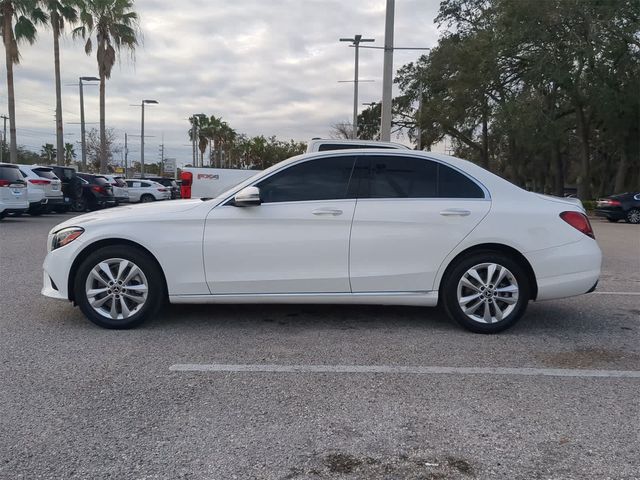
<point>267,67</point>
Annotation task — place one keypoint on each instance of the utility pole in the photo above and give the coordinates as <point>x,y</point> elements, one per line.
<point>162,156</point>
<point>126,155</point>
<point>387,76</point>
<point>142,136</point>
<point>83,145</point>
<point>355,42</point>
<point>4,137</point>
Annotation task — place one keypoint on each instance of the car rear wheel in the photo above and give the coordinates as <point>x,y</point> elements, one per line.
<point>79,205</point>
<point>119,287</point>
<point>486,292</point>
<point>633,216</point>
<point>147,198</point>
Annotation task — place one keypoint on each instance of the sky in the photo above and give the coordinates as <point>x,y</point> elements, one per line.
<point>267,67</point>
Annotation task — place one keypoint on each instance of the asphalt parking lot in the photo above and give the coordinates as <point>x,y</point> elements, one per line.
<point>315,392</point>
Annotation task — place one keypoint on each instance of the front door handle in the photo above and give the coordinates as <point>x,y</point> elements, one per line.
<point>327,211</point>
<point>455,212</point>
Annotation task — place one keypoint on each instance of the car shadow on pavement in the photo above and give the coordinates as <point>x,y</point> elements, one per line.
<point>342,317</point>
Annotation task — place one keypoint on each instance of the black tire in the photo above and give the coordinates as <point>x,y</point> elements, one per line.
<point>156,296</point>
<point>449,292</point>
<point>147,198</point>
<point>79,205</point>
<point>35,211</point>
<point>633,216</point>
<point>612,220</point>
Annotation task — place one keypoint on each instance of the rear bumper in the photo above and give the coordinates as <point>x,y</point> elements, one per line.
<point>614,213</point>
<point>568,270</point>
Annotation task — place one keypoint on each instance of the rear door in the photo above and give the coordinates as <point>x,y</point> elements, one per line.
<point>411,212</point>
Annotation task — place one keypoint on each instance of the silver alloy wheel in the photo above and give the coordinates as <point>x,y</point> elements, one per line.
<point>488,293</point>
<point>116,288</point>
<point>633,215</point>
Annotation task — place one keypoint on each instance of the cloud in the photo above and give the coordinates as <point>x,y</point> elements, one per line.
<point>266,67</point>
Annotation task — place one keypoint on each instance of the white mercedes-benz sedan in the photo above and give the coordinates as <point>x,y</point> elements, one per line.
<point>353,226</point>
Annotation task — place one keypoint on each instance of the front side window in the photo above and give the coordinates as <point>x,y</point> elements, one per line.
<point>410,177</point>
<point>318,179</point>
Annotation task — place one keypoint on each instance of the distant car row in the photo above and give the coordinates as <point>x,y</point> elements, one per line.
<point>36,189</point>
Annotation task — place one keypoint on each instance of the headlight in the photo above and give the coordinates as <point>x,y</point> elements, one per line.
<point>65,236</point>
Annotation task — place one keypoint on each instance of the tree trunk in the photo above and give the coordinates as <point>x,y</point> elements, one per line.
<point>584,181</point>
<point>9,47</point>
<point>56,55</point>
<point>622,170</point>
<point>485,142</point>
<point>558,170</point>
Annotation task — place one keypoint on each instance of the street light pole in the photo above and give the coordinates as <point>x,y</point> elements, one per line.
<point>82,132</point>
<point>142,137</point>
<point>387,76</point>
<point>355,42</point>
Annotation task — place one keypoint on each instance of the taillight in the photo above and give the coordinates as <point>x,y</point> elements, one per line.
<point>612,203</point>
<point>39,181</point>
<point>579,221</point>
<point>99,189</point>
<point>162,189</point>
<point>4,183</point>
<point>185,188</point>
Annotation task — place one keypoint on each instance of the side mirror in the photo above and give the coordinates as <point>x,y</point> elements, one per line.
<point>247,197</point>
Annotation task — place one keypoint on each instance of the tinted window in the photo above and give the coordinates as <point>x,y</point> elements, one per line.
<point>453,184</point>
<point>11,174</point>
<point>101,181</point>
<point>321,179</point>
<point>45,173</point>
<point>64,173</point>
<point>145,184</point>
<point>406,177</point>
<point>347,146</point>
<point>400,177</point>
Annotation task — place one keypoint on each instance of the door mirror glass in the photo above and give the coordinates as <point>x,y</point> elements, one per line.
<point>247,197</point>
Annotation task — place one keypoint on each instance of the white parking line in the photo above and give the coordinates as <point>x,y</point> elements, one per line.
<point>410,370</point>
<point>618,293</point>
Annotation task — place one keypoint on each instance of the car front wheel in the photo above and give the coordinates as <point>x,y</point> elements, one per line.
<point>119,287</point>
<point>486,292</point>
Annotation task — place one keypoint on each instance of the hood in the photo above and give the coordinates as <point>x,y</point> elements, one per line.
<point>566,200</point>
<point>132,213</point>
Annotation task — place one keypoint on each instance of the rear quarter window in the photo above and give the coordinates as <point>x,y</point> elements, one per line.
<point>11,174</point>
<point>45,173</point>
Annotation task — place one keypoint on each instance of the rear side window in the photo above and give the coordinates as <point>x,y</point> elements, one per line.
<point>45,173</point>
<point>319,179</point>
<point>348,146</point>
<point>408,177</point>
<point>145,184</point>
<point>10,174</point>
<point>101,181</point>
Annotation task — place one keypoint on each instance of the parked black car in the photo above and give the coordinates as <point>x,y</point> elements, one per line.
<point>624,206</point>
<point>170,183</point>
<point>71,186</point>
<point>96,193</point>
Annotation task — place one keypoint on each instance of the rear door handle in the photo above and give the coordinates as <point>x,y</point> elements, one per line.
<point>327,211</point>
<point>455,212</point>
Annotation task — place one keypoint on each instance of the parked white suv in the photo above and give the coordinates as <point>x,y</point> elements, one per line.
<point>119,187</point>
<point>13,191</point>
<point>42,180</point>
<point>146,191</point>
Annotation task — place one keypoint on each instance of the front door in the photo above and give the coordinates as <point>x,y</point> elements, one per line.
<point>296,241</point>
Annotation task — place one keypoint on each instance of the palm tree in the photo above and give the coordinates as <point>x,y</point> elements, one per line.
<point>48,152</point>
<point>59,12</point>
<point>19,19</point>
<point>115,26</point>
<point>69,153</point>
